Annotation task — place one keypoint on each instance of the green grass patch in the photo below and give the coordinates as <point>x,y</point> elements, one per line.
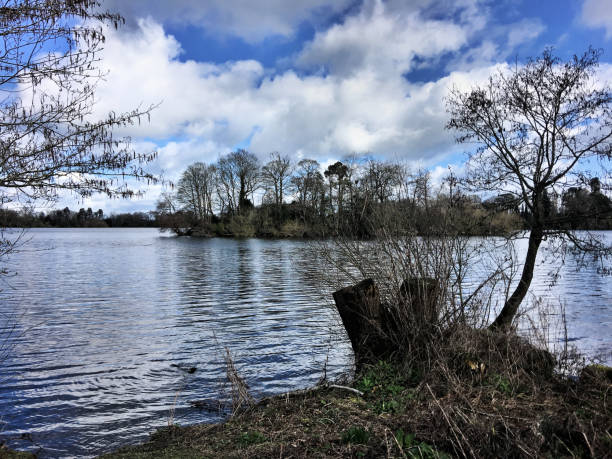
<point>417,449</point>
<point>386,387</point>
<point>251,438</point>
<point>501,383</point>
<point>356,436</point>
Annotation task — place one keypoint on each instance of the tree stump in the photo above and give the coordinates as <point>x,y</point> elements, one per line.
<point>375,330</point>
<point>420,299</point>
<point>360,310</point>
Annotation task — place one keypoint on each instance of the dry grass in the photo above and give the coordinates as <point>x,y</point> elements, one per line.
<point>239,389</point>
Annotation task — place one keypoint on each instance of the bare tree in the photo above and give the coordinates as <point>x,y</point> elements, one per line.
<point>166,203</point>
<point>171,217</point>
<point>248,169</point>
<point>536,126</point>
<point>309,186</point>
<point>195,190</point>
<point>48,138</point>
<point>336,175</point>
<point>381,179</point>
<point>275,176</point>
<point>238,177</point>
<point>227,185</point>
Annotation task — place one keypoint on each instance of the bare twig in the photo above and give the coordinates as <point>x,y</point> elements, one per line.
<point>239,388</point>
<point>452,425</point>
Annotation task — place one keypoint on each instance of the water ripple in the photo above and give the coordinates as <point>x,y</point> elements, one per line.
<point>109,317</point>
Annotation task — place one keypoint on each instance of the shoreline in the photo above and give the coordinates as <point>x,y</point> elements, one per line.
<point>492,418</point>
<point>512,403</point>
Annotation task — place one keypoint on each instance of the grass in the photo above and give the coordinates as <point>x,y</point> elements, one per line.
<point>251,438</point>
<point>415,449</point>
<point>356,436</point>
<point>385,387</point>
<point>335,423</point>
<point>6,453</point>
<point>319,423</point>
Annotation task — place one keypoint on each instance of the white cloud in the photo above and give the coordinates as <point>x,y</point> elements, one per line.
<point>216,107</point>
<point>364,104</point>
<point>603,76</point>
<point>361,103</point>
<point>500,43</point>
<point>242,18</point>
<point>174,156</point>
<point>381,39</point>
<point>524,31</point>
<point>596,14</point>
<point>482,55</point>
<point>195,97</point>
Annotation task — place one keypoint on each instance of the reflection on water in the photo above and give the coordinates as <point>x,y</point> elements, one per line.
<point>109,316</point>
<point>574,284</point>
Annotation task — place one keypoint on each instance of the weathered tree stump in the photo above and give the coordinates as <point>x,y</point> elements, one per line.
<point>421,298</point>
<point>375,330</point>
<point>360,310</point>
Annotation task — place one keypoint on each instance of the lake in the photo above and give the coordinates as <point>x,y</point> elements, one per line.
<point>108,320</point>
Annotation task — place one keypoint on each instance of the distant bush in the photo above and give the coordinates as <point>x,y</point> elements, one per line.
<point>240,226</point>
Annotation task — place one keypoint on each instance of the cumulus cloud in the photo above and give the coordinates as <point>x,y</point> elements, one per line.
<point>209,109</point>
<point>363,104</point>
<point>524,31</point>
<point>344,92</point>
<point>500,43</point>
<point>381,38</point>
<point>241,18</point>
<point>174,156</point>
<point>195,98</point>
<point>439,175</point>
<point>597,14</point>
<point>480,56</point>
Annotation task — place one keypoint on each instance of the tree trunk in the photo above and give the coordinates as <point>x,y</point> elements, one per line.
<point>505,317</point>
<point>375,330</point>
<point>360,309</point>
<point>420,299</point>
<point>242,195</point>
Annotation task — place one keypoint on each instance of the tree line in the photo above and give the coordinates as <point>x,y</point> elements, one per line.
<point>66,218</point>
<point>240,196</point>
<point>352,197</point>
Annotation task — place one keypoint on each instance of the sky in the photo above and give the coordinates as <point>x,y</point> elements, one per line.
<point>316,78</point>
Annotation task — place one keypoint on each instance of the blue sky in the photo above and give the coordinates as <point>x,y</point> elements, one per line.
<point>320,79</point>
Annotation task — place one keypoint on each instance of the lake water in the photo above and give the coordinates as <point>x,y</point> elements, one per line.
<point>106,320</point>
